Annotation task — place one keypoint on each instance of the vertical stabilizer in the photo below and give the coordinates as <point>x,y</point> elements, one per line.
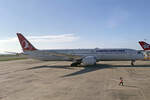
<point>25,44</point>
<point>144,45</point>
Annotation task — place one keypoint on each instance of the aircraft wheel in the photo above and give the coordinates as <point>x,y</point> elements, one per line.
<point>75,64</point>
<point>132,62</point>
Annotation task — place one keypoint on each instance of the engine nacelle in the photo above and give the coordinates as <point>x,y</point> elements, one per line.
<point>89,60</point>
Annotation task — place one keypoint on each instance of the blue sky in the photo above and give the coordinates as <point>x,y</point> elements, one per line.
<point>74,23</point>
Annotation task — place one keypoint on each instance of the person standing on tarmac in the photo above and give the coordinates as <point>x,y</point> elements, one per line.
<point>121,81</point>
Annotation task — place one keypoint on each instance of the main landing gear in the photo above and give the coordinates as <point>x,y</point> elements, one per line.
<point>132,62</point>
<point>76,63</point>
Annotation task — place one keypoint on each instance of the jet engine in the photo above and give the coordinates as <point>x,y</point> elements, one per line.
<point>89,60</point>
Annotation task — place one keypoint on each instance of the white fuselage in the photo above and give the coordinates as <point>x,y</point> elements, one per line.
<point>99,54</point>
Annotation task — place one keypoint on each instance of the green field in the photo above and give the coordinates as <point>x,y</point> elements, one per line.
<point>12,57</point>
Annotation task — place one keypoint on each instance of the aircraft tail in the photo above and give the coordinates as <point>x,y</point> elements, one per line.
<point>144,45</point>
<point>25,44</point>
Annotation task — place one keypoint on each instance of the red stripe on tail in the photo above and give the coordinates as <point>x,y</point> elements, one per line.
<point>25,44</point>
<point>144,45</point>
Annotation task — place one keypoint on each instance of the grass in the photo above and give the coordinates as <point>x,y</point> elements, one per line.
<point>12,57</point>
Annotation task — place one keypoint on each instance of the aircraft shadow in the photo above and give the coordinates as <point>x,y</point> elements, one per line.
<point>100,66</point>
<point>87,68</point>
<point>45,66</point>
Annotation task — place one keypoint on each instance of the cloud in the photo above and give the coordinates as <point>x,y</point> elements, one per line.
<point>12,44</point>
<point>2,42</point>
<point>45,38</point>
<point>54,38</point>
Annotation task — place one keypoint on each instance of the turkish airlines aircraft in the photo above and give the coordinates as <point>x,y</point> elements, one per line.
<point>80,56</point>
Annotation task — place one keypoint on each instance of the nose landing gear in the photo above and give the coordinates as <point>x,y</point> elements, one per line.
<point>132,62</point>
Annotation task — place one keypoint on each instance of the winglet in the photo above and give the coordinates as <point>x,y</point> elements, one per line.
<point>144,45</point>
<point>25,44</point>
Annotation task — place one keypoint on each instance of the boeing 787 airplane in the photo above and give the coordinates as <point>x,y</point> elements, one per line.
<point>80,56</point>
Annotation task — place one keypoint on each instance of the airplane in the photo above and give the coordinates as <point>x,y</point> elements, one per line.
<point>83,57</point>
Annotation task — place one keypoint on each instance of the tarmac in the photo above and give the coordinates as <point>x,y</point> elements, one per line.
<point>56,80</point>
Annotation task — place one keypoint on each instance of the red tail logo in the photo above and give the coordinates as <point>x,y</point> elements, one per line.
<point>144,45</point>
<point>25,44</point>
